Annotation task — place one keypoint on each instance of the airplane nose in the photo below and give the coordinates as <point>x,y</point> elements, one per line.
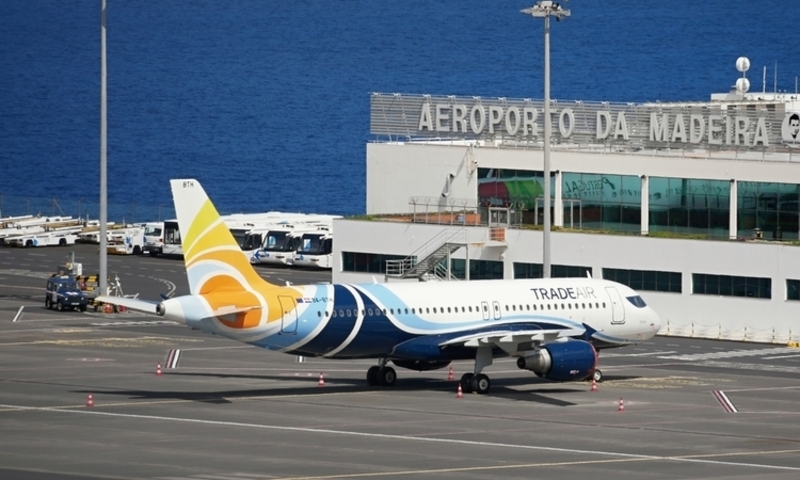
<point>655,321</point>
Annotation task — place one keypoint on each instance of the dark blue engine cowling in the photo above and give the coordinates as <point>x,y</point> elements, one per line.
<point>567,361</point>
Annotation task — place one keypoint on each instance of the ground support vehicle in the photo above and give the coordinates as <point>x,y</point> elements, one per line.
<point>63,292</point>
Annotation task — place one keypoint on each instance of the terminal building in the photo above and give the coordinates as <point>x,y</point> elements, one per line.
<point>693,204</point>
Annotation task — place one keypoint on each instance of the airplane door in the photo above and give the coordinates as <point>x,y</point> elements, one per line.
<point>485,310</point>
<point>617,308</point>
<point>289,314</point>
<point>496,310</point>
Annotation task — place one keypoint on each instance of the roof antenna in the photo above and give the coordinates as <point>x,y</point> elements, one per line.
<point>775,81</point>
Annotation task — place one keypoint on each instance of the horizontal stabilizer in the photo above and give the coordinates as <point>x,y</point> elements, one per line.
<point>131,303</point>
<point>230,309</point>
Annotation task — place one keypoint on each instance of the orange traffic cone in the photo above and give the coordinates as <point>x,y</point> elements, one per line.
<point>594,385</point>
<point>90,401</point>
<point>621,405</point>
<point>450,375</point>
<point>459,392</point>
<point>321,380</point>
<point>158,369</point>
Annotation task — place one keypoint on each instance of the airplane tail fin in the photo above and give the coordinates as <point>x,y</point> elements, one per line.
<point>214,261</point>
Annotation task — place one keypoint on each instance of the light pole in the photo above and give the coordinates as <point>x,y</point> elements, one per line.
<point>103,273</point>
<point>546,9</point>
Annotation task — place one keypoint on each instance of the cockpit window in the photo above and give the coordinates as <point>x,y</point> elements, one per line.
<point>637,301</point>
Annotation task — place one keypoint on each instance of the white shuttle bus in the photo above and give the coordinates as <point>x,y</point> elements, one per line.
<point>315,250</point>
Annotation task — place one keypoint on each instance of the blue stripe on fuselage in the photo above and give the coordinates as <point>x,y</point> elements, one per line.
<point>377,336</point>
<point>338,328</point>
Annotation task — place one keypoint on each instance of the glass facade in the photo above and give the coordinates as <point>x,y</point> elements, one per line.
<point>655,281</point>
<point>770,207</point>
<point>690,206</point>
<point>610,202</point>
<point>678,205</point>
<point>731,286</point>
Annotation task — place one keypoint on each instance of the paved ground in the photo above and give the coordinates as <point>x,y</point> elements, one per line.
<point>234,412</point>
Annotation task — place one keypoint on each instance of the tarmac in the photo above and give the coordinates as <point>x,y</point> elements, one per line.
<point>693,408</point>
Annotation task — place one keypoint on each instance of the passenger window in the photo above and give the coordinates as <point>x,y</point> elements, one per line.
<point>470,309</point>
<point>362,312</point>
<point>555,306</point>
<point>513,307</point>
<point>506,308</point>
<point>604,304</point>
<point>569,305</point>
<point>341,313</point>
<point>319,313</point>
<point>406,311</point>
<point>528,307</point>
<point>427,310</point>
<point>548,306</point>
<point>534,307</point>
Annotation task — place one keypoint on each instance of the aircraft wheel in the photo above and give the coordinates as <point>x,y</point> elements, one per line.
<point>59,306</point>
<point>597,375</point>
<point>387,376</point>
<point>372,375</point>
<point>480,383</point>
<point>466,382</point>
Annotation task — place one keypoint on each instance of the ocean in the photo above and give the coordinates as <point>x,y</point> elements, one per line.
<point>267,102</point>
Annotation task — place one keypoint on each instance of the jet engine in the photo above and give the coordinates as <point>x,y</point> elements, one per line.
<point>420,365</point>
<point>571,360</point>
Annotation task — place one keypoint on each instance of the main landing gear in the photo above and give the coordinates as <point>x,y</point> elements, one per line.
<point>381,375</point>
<point>476,381</point>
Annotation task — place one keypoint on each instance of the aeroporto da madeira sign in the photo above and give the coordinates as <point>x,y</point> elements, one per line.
<point>739,125</point>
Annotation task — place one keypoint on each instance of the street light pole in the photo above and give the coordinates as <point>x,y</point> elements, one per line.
<point>103,273</point>
<point>546,9</point>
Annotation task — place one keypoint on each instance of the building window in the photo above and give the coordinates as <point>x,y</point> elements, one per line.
<point>478,269</point>
<point>655,281</point>
<point>367,262</point>
<point>688,205</point>
<point>772,208</point>
<point>602,201</point>
<point>534,270</point>
<point>792,289</point>
<point>731,286</point>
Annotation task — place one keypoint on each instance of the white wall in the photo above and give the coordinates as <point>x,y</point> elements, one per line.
<point>775,320</point>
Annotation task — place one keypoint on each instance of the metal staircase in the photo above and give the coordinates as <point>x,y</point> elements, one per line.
<point>426,263</point>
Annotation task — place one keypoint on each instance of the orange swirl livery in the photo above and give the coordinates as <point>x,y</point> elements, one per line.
<point>553,327</point>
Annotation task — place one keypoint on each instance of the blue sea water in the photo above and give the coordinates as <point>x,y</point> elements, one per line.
<point>267,102</point>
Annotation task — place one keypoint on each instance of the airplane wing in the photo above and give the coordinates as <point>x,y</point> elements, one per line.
<point>510,340</point>
<point>130,303</point>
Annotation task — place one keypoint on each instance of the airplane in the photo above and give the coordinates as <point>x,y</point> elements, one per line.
<point>553,327</point>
